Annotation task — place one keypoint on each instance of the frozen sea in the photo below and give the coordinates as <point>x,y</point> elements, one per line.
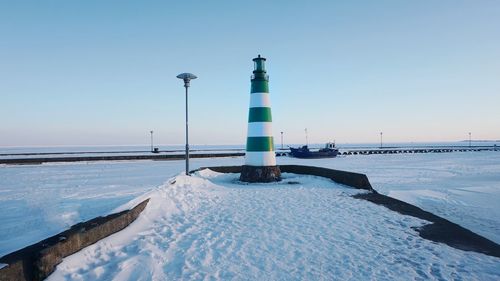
<point>41,200</point>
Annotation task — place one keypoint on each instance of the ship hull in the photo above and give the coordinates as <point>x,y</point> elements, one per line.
<point>307,154</point>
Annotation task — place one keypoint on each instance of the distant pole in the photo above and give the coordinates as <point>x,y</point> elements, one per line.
<point>281,140</point>
<point>187,77</point>
<point>380,139</point>
<point>151,140</point>
<point>470,145</point>
<point>307,141</point>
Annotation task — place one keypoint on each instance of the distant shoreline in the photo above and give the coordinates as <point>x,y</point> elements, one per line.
<point>277,143</point>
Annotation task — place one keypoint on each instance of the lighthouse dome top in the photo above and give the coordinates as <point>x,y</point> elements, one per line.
<point>259,58</point>
<point>259,67</point>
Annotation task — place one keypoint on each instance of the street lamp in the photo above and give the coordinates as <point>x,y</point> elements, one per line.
<point>187,77</point>
<point>281,140</point>
<point>380,139</point>
<point>151,140</point>
<point>470,140</point>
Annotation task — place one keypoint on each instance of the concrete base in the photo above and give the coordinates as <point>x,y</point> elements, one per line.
<point>260,173</point>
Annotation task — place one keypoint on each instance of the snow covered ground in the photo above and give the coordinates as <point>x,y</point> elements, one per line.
<point>463,187</point>
<point>209,227</point>
<point>41,200</point>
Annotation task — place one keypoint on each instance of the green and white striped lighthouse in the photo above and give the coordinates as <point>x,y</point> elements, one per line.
<point>260,158</point>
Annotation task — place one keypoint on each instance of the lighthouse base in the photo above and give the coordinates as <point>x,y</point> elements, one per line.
<point>260,173</point>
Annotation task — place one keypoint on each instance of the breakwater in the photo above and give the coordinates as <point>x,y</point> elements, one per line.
<point>401,150</point>
<point>398,150</point>
<point>40,160</point>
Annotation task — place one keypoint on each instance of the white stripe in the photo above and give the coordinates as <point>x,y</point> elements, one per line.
<point>260,158</point>
<point>260,129</point>
<point>260,100</point>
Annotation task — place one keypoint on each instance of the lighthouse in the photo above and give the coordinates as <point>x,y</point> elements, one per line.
<point>260,158</point>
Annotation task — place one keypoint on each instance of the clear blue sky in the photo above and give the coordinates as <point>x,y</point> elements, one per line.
<point>103,72</point>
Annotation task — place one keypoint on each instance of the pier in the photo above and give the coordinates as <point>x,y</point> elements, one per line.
<point>400,150</point>
<point>39,158</point>
<point>397,150</point>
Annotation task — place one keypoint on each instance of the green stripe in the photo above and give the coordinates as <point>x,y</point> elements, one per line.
<point>260,144</point>
<point>260,86</point>
<point>259,114</point>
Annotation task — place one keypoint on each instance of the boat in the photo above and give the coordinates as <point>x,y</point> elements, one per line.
<point>329,151</point>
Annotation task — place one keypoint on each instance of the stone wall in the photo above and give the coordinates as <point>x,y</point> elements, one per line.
<point>439,230</point>
<point>39,260</point>
<point>359,181</point>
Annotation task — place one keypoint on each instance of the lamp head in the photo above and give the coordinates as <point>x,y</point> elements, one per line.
<point>186,77</point>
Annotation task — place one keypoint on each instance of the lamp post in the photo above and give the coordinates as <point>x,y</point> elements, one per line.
<point>151,140</point>
<point>307,141</point>
<point>187,77</point>
<point>281,140</point>
<point>380,139</point>
<point>470,140</point>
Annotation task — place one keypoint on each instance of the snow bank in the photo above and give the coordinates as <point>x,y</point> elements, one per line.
<point>209,226</point>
